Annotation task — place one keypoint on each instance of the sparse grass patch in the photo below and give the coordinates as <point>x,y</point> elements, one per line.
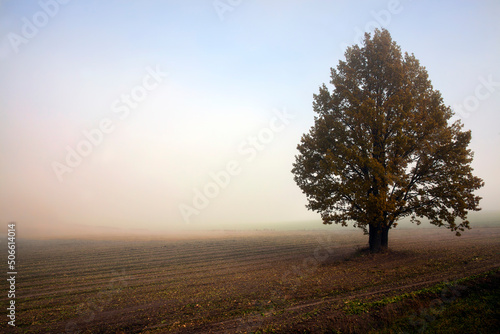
<point>267,283</point>
<point>475,310</point>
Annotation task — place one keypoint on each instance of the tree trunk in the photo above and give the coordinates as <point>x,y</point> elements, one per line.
<point>384,242</point>
<point>375,239</point>
<point>378,238</point>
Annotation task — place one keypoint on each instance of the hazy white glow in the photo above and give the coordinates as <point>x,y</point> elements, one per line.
<point>226,80</point>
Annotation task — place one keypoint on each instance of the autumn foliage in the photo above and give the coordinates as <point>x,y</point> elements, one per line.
<point>383,147</point>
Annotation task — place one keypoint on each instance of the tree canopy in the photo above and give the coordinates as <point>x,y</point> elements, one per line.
<point>383,147</point>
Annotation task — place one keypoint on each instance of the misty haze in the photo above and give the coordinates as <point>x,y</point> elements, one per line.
<point>232,166</point>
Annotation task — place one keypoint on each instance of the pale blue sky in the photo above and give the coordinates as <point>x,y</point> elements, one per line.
<point>226,79</point>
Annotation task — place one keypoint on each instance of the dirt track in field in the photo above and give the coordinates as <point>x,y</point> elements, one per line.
<point>230,284</point>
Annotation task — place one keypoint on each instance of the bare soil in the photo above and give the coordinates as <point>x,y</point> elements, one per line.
<point>239,283</point>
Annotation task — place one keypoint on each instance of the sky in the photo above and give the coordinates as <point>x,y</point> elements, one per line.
<point>155,116</point>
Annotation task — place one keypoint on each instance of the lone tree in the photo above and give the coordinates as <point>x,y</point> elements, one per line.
<point>382,147</point>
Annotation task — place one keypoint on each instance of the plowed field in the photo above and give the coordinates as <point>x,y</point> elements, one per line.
<point>243,282</point>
